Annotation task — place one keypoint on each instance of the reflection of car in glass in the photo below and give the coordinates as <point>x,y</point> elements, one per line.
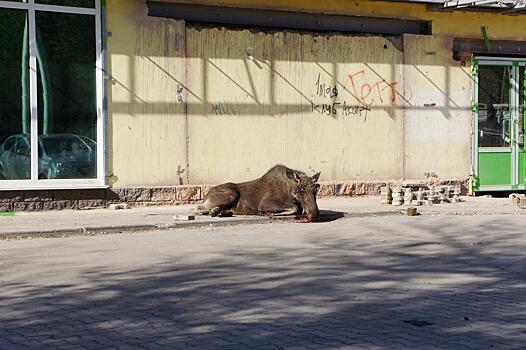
<point>59,156</point>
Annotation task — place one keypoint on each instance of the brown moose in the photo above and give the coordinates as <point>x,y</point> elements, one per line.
<point>281,191</point>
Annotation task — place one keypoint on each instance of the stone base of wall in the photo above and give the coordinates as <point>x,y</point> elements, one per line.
<point>37,200</point>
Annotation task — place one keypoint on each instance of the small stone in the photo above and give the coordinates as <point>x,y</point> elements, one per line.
<point>411,211</point>
<point>184,217</point>
<point>119,206</point>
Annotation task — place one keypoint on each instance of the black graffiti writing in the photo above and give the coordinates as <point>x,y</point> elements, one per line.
<point>325,90</point>
<point>226,109</point>
<point>337,108</point>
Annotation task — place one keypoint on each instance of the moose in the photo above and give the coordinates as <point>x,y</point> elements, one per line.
<point>280,191</point>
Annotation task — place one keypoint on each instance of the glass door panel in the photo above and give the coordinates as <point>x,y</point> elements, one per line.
<point>67,113</point>
<point>15,118</point>
<point>494,127</point>
<point>494,119</point>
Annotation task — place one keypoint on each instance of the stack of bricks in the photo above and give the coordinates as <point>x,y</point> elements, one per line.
<point>386,195</point>
<point>397,196</point>
<point>417,195</point>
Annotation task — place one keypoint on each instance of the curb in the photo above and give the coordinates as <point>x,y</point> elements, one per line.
<point>101,230</point>
<point>218,222</point>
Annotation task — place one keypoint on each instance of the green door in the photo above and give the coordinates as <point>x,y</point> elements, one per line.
<point>499,158</point>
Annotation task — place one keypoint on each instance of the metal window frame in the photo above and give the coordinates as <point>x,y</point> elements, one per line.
<point>34,183</point>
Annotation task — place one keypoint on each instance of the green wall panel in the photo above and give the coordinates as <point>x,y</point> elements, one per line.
<point>495,168</point>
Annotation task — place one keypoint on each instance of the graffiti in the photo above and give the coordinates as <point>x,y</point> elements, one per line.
<point>325,90</point>
<point>367,93</point>
<point>226,108</point>
<point>335,108</point>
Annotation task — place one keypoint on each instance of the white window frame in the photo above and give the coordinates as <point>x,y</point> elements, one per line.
<point>34,182</point>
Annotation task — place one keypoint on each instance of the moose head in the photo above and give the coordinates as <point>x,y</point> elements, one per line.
<point>305,194</point>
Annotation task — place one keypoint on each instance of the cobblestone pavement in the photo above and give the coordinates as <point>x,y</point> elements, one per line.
<point>427,282</point>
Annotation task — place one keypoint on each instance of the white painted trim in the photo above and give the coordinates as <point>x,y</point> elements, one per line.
<point>66,9</point>
<point>514,115</point>
<point>495,63</point>
<point>495,150</point>
<point>51,8</point>
<point>14,5</point>
<point>495,188</point>
<point>475,116</point>
<point>99,78</point>
<point>489,58</point>
<point>33,94</point>
<point>11,185</point>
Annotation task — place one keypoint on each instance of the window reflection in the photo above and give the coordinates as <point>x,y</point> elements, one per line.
<point>67,115</point>
<point>493,106</point>
<point>15,118</point>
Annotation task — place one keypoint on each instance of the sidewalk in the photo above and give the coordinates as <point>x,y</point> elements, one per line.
<point>70,222</point>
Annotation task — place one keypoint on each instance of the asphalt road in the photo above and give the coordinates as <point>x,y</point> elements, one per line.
<point>386,282</point>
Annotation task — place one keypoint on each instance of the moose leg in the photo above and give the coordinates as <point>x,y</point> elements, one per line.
<point>219,199</point>
<point>278,208</point>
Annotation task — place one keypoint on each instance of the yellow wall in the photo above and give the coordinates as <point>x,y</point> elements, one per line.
<point>408,112</point>
<point>146,122</point>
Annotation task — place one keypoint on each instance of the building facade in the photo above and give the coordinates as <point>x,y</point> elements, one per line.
<point>153,101</point>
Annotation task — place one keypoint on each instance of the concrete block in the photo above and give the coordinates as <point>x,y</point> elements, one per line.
<point>138,194</point>
<point>163,194</point>
<point>516,197</point>
<point>119,206</point>
<point>188,193</point>
<point>86,204</point>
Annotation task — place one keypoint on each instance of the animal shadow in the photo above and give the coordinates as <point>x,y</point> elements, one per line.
<point>330,215</point>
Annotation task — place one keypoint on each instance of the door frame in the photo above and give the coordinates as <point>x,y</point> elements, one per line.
<point>514,101</point>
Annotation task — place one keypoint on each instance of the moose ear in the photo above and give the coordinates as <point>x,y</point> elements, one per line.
<point>293,176</point>
<point>315,177</point>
